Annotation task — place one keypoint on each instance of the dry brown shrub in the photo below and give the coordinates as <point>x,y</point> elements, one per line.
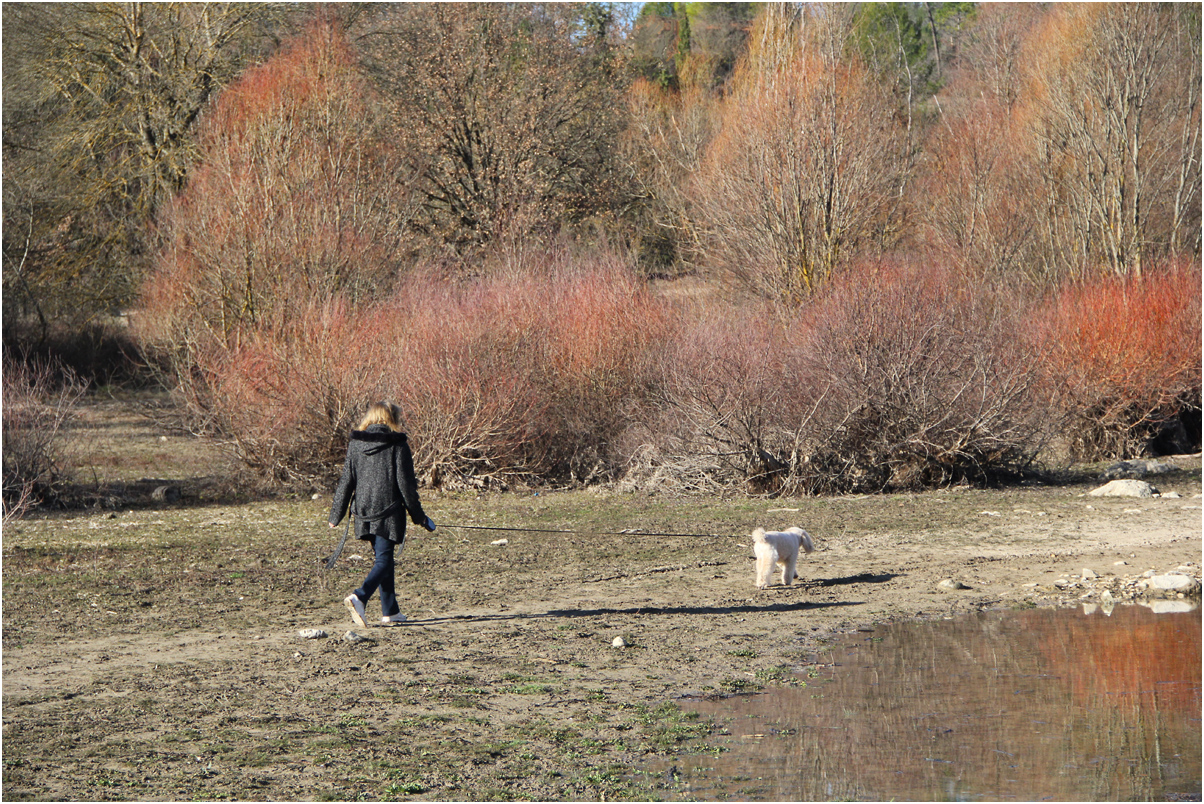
<point>39,399</point>
<point>896,376</point>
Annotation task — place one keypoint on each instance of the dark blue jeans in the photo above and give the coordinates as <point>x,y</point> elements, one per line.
<point>381,575</point>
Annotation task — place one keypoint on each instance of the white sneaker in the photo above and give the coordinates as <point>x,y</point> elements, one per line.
<point>393,619</point>
<point>356,607</point>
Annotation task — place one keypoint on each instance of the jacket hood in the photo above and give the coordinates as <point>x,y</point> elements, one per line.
<point>380,436</point>
<point>378,433</point>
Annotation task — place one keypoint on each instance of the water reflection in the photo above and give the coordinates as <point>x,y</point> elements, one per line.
<point>1067,705</point>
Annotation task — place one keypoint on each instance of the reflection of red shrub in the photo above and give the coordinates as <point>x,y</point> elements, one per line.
<point>1135,654</point>
<point>1124,357</point>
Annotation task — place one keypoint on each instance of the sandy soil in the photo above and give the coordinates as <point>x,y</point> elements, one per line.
<point>153,651</point>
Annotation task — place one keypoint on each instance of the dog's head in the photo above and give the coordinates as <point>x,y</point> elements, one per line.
<point>804,538</point>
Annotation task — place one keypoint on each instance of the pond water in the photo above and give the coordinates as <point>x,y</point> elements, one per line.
<point>1044,704</point>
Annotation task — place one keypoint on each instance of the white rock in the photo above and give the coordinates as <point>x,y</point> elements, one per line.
<point>1088,574</point>
<point>950,583</point>
<point>355,638</point>
<point>1173,582</point>
<point>618,642</point>
<point>1172,495</point>
<point>1124,488</point>
<point>500,542</point>
<point>312,633</point>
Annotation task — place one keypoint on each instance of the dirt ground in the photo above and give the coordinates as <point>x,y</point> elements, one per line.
<point>152,651</point>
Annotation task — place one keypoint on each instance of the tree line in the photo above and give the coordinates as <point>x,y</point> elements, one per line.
<point>770,142</point>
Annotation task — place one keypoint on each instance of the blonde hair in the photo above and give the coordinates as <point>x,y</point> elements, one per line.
<point>385,413</point>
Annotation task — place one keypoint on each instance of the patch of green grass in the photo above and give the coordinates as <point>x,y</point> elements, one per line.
<point>739,685</point>
<point>182,736</point>
<point>409,788</point>
<point>531,689</point>
<point>780,674</point>
<point>746,653</point>
<point>668,726</point>
<point>322,747</point>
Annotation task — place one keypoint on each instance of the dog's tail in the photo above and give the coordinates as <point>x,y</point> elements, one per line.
<point>804,539</point>
<point>758,536</point>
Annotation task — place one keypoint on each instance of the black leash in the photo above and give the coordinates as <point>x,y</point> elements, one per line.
<point>627,532</point>
<point>338,551</point>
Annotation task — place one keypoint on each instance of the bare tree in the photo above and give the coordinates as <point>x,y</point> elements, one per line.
<point>510,113</point>
<point>100,102</point>
<point>809,164</point>
<point>1116,96</point>
<point>664,145</point>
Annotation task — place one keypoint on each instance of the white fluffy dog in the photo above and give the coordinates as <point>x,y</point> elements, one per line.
<point>779,547</point>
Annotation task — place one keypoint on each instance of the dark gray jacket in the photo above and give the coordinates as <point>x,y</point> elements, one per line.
<point>379,471</point>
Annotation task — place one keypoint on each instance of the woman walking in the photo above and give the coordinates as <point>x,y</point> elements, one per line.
<point>379,474</point>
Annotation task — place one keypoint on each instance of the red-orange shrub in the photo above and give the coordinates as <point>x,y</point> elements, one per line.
<point>736,391</point>
<point>294,200</point>
<point>1122,359</point>
<point>535,374</point>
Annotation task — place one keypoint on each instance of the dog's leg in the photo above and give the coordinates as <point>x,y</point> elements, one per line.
<point>767,573</point>
<point>764,568</point>
<point>788,570</point>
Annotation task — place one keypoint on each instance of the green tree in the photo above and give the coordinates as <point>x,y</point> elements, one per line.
<point>675,44</point>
